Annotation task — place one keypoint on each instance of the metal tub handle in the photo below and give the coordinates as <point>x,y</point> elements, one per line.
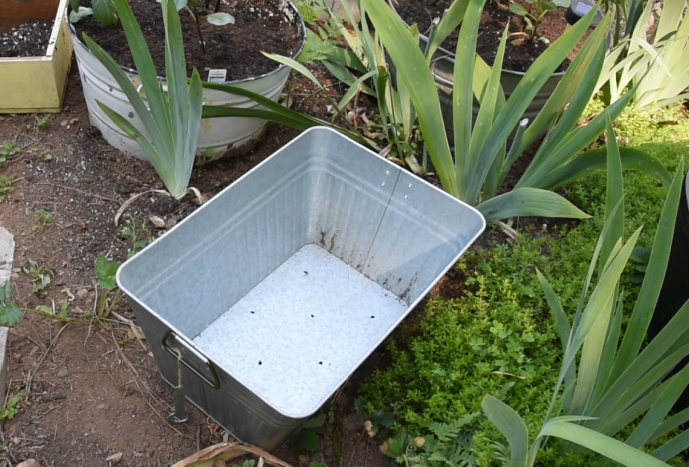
<point>199,364</point>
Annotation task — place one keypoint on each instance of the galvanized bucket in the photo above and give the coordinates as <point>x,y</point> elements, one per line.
<point>268,297</point>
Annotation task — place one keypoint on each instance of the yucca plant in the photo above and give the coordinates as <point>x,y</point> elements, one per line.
<point>474,166</point>
<point>619,385</point>
<point>171,115</point>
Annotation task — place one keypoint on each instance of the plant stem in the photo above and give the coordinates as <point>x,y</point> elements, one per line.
<point>198,27</point>
<point>62,319</point>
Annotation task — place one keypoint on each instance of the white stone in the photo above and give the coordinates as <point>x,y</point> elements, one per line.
<point>6,255</point>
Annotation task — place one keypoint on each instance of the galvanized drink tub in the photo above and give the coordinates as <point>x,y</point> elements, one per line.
<point>270,295</point>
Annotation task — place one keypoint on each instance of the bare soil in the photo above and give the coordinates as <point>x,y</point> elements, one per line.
<point>496,15</point>
<point>91,389</point>
<point>26,40</point>
<point>258,27</point>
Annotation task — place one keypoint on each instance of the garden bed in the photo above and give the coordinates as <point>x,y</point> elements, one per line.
<point>87,391</point>
<point>90,392</point>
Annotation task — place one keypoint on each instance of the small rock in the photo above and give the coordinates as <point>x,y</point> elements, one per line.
<point>82,293</point>
<point>62,373</point>
<point>29,463</point>
<point>114,458</point>
<point>157,222</point>
<point>16,440</point>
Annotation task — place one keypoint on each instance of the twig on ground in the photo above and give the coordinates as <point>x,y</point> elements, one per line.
<point>104,198</point>
<point>356,446</point>
<point>148,390</point>
<point>42,359</point>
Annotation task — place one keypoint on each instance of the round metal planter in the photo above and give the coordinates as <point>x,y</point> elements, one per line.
<point>442,67</point>
<point>218,137</point>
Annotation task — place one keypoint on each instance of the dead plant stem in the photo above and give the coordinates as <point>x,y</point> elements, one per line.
<point>43,357</point>
<point>148,391</point>
<point>105,198</point>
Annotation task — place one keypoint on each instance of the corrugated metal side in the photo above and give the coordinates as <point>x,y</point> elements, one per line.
<point>206,263</point>
<point>352,194</point>
<point>422,234</point>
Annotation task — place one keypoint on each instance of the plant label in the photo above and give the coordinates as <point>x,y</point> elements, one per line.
<point>581,8</point>
<point>217,76</point>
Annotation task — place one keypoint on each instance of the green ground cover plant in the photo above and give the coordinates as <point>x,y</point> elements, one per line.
<point>43,218</point>
<point>611,379</point>
<point>498,337</point>
<point>41,276</point>
<point>5,186</point>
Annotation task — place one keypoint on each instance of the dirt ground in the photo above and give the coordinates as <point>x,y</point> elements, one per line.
<point>92,394</point>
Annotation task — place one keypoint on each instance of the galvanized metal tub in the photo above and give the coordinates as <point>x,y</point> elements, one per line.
<point>277,289</point>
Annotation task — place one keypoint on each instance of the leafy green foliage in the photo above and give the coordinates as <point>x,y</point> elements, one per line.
<point>9,311</point>
<point>610,380</point>
<point>476,167</point>
<point>138,237</point>
<point>39,123</point>
<point>43,218</point>
<point>106,270</point>
<point>60,315</point>
<point>310,11</point>
<point>110,296</point>
<point>447,444</point>
<point>40,275</point>
<point>496,338</point>
<point>103,10</point>
<point>308,436</point>
<point>534,12</point>
<point>376,418</point>
<point>9,149</point>
<point>12,408</point>
<point>306,439</point>
<point>357,58</point>
<point>319,46</point>
<point>5,186</point>
<point>653,63</point>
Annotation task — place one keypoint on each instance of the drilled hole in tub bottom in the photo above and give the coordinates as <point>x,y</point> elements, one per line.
<point>260,362</point>
<point>373,316</point>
